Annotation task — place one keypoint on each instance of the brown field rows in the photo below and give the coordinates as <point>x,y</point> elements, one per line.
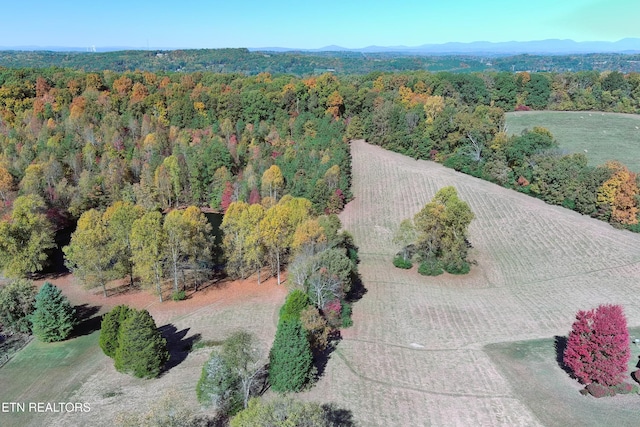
<point>415,355</point>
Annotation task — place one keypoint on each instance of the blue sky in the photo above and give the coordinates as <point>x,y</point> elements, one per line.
<point>299,24</point>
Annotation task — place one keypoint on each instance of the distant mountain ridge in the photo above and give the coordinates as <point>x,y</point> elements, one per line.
<point>551,46</point>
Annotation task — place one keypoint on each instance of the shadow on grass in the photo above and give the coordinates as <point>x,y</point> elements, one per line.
<point>177,345</point>
<point>321,358</point>
<point>335,416</point>
<point>560,344</point>
<point>88,322</point>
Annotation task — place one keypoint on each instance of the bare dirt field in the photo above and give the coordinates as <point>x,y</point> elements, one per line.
<point>78,371</point>
<point>417,353</point>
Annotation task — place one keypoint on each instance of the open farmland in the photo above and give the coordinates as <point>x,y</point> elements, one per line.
<point>604,136</point>
<point>418,351</point>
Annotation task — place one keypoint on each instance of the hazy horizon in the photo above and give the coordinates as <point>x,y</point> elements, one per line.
<point>283,23</point>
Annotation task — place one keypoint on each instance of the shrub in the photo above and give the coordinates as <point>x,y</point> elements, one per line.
<point>179,296</point>
<point>430,268</point>
<point>53,318</point>
<point>290,357</point>
<point>333,313</point>
<point>461,267</point>
<point>400,262</point>
<point>625,388</point>
<point>141,349</point>
<point>110,329</point>
<point>599,390</point>
<point>317,328</point>
<point>598,346</point>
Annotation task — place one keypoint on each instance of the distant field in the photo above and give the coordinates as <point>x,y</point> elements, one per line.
<point>604,136</point>
<point>417,353</point>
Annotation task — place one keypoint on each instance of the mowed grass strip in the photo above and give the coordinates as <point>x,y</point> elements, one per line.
<point>604,136</point>
<point>535,374</point>
<point>46,372</point>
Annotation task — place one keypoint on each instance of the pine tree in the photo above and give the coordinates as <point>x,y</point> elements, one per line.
<point>53,318</point>
<point>598,346</point>
<point>110,329</point>
<point>141,349</point>
<point>290,357</point>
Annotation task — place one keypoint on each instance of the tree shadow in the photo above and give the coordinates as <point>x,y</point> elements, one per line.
<point>177,345</point>
<point>560,344</point>
<point>87,321</point>
<point>335,416</point>
<point>357,290</point>
<point>321,358</point>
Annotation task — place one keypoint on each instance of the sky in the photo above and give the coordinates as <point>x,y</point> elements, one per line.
<point>309,25</point>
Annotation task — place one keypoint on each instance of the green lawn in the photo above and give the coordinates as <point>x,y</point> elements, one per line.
<point>604,136</point>
<point>46,372</point>
<point>534,374</point>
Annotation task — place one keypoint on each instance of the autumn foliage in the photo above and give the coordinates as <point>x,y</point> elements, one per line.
<point>598,346</point>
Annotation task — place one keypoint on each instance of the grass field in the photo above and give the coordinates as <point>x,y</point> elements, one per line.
<point>605,136</point>
<point>416,354</point>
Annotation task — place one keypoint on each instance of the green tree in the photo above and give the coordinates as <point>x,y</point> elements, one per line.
<point>17,302</point>
<point>242,354</point>
<point>25,237</point>
<point>404,236</point>
<point>294,304</point>
<point>442,230</point>
<point>53,318</point>
<point>110,329</point>
<point>148,241</point>
<point>119,218</point>
<point>142,351</point>
<point>219,386</point>
<point>89,254</point>
<point>290,358</point>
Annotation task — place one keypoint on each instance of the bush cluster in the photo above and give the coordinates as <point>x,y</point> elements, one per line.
<point>131,338</point>
<point>400,262</point>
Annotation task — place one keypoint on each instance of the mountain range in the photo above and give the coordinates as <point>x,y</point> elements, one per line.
<point>551,46</point>
<point>544,47</point>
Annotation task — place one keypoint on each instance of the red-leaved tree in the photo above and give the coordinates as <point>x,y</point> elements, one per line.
<point>598,346</point>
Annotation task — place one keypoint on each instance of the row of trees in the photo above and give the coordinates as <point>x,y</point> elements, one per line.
<point>126,240</point>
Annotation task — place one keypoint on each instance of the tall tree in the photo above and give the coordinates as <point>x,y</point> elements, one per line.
<point>148,242</point>
<point>242,353</point>
<point>89,254</point>
<point>290,357</point>
<point>119,218</point>
<point>25,237</point>
<point>272,182</point>
<point>53,318</point>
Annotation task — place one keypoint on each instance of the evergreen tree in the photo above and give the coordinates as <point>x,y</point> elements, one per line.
<point>53,318</point>
<point>110,328</point>
<point>290,357</point>
<point>294,304</point>
<point>141,350</point>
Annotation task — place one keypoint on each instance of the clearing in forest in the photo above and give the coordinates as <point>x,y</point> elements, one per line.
<point>600,136</point>
<point>475,349</point>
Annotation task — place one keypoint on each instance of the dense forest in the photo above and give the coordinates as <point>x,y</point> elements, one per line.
<point>308,63</point>
<point>72,141</point>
